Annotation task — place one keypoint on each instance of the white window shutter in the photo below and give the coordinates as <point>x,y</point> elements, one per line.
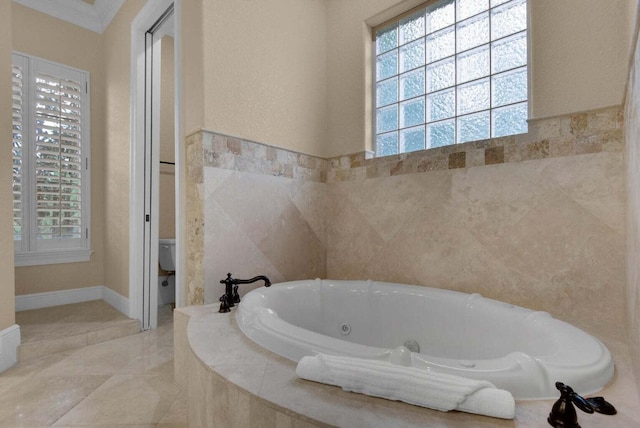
<point>19,123</point>
<point>58,157</point>
<point>51,177</point>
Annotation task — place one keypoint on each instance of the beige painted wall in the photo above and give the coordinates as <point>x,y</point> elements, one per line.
<point>348,62</point>
<point>579,53</point>
<point>265,72</point>
<point>117,52</point>
<point>7,287</point>
<point>192,63</point>
<point>50,38</point>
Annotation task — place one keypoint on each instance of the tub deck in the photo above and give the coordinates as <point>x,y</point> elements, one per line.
<point>233,382</point>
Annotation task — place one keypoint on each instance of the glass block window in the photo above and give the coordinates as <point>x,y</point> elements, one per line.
<point>450,72</point>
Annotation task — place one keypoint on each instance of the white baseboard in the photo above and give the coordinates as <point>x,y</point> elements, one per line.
<point>9,341</point>
<point>116,300</point>
<point>56,298</point>
<point>77,295</point>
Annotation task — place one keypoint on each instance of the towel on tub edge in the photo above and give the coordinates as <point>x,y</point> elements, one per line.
<point>438,391</point>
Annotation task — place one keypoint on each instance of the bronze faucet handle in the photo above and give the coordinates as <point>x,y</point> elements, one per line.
<point>236,295</point>
<point>601,405</point>
<point>224,304</point>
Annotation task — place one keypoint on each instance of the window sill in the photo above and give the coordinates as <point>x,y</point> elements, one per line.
<point>51,257</point>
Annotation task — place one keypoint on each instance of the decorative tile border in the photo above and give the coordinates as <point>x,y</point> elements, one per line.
<point>568,135</point>
<point>222,151</point>
<point>589,132</point>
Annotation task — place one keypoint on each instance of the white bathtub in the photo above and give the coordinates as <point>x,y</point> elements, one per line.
<point>522,351</point>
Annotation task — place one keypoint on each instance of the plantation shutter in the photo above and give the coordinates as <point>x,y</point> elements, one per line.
<point>58,156</point>
<point>50,151</point>
<point>18,123</point>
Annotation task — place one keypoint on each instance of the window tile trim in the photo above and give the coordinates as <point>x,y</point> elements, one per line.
<point>566,135</point>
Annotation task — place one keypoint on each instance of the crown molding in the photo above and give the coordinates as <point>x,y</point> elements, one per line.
<point>94,17</point>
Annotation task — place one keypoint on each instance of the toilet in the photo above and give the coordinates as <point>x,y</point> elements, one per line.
<point>167,261</point>
<point>167,255</point>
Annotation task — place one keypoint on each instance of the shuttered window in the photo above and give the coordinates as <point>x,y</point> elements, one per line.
<point>50,162</point>
<point>17,81</point>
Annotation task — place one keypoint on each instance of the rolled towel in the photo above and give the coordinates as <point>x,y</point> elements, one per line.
<point>408,384</point>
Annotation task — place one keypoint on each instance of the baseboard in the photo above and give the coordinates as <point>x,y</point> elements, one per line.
<point>57,298</point>
<point>9,341</point>
<point>77,295</point>
<point>116,300</point>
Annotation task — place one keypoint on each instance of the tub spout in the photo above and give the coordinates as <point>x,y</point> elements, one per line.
<point>231,295</point>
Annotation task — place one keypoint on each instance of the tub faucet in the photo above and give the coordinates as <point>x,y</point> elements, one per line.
<point>231,295</point>
<point>563,414</point>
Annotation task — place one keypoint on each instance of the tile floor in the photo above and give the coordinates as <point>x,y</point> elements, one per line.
<point>121,382</point>
<point>57,322</point>
<point>60,328</point>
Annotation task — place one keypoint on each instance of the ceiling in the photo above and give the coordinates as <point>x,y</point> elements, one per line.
<point>94,15</point>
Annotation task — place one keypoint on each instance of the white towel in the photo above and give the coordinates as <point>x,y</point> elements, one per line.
<point>414,386</point>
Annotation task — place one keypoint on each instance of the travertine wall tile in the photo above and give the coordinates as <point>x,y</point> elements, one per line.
<point>543,233</point>
<point>261,224</point>
<point>494,155</point>
<point>180,349</point>
<point>632,157</point>
<point>534,219</point>
<point>195,220</point>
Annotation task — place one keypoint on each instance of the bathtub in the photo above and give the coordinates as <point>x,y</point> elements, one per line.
<point>517,349</point>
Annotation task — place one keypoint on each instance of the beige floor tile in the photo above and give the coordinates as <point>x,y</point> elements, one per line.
<point>42,400</point>
<point>124,399</point>
<point>121,382</point>
<point>112,331</point>
<point>106,358</point>
<point>162,336</point>
<point>60,328</point>
<point>30,350</point>
<point>154,363</point>
<point>9,383</point>
<point>109,426</point>
<point>65,320</point>
<point>35,365</point>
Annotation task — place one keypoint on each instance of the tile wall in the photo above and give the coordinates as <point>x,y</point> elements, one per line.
<point>535,219</point>
<point>632,136</point>
<point>194,253</point>
<point>261,210</point>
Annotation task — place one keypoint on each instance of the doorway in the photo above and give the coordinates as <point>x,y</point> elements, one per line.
<point>153,30</point>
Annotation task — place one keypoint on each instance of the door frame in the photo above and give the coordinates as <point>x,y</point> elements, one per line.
<point>139,175</point>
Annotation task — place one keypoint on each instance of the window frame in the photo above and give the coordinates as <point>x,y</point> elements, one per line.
<point>30,251</point>
<point>373,90</point>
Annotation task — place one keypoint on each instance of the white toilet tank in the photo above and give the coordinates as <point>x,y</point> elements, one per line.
<point>167,255</point>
